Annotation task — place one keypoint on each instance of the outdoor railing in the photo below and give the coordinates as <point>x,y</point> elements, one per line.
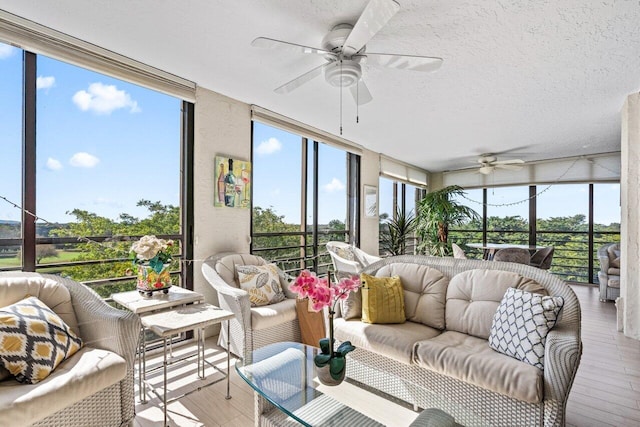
<point>97,261</point>
<point>574,258</point>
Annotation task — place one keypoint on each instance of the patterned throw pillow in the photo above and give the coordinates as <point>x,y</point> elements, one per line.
<point>521,324</point>
<point>262,282</point>
<point>382,299</point>
<point>34,340</point>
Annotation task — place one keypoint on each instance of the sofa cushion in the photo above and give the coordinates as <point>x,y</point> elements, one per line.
<point>474,295</point>
<point>382,299</point>
<point>261,282</point>
<point>425,290</point>
<point>351,307</point>
<point>50,292</point>
<point>521,324</point>
<point>226,266</point>
<point>34,340</point>
<point>394,341</point>
<point>85,373</point>
<point>273,315</point>
<point>613,271</point>
<point>471,359</point>
<point>614,282</point>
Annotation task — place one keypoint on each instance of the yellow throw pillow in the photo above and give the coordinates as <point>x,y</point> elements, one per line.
<point>382,299</point>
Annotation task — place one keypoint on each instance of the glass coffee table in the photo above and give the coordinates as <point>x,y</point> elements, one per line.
<point>288,393</point>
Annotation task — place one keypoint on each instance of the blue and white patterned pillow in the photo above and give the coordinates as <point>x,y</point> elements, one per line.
<point>521,324</point>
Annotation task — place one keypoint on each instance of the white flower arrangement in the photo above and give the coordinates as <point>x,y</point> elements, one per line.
<point>151,249</point>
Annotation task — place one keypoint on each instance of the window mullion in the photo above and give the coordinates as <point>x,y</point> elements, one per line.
<point>29,163</point>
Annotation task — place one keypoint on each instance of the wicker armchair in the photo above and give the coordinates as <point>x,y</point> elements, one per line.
<point>517,255</point>
<point>94,387</point>
<point>348,259</point>
<point>253,327</point>
<point>609,274</point>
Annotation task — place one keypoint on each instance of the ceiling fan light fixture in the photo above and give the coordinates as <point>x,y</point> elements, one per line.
<point>486,170</point>
<point>343,75</point>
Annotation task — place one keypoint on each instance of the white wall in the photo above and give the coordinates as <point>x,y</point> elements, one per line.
<point>630,225</point>
<point>222,127</point>
<point>369,175</point>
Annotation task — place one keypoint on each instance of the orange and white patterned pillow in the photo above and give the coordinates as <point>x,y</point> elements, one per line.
<point>34,340</point>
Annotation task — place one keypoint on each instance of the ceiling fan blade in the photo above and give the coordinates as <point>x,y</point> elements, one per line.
<point>267,43</point>
<point>300,80</point>
<point>509,167</point>
<point>361,93</point>
<point>404,62</point>
<point>375,15</point>
<point>509,162</point>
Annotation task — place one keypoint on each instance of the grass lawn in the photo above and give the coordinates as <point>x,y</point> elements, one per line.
<point>62,257</point>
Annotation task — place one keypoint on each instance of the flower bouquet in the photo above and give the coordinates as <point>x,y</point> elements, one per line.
<point>152,258</point>
<point>321,294</point>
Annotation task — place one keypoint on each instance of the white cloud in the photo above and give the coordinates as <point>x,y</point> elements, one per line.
<point>83,160</point>
<point>334,185</point>
<point>269,146</point>
<point>103,99</point>
<point>6,50</point>
<point>45,82</point>
<point>53,164</point>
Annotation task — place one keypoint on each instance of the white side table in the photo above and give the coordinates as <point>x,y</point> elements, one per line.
<point>141,305</point>
<point>175,320</point>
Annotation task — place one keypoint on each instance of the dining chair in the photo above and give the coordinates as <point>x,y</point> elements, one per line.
<point>517,255</point>
<point>542,258</point>
<point>458,252</point>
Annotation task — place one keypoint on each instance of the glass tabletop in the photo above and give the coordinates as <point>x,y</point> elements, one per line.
<point>285,375</point>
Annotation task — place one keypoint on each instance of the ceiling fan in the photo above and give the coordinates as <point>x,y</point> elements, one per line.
<point>489,163</point>
<point>344,51</point>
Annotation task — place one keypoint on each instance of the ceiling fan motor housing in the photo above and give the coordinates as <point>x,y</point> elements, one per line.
<point>346,74</point>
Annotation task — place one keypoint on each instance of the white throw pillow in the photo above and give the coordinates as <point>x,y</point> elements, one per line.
<point>262,282</point>
<point>521,324</point>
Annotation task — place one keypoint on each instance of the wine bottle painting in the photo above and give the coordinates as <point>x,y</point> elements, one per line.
<point>233,183</point>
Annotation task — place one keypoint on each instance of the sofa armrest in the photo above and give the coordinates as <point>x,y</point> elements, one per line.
<point>563,350</point>
<point>604,263</point>
<point>101,325</point>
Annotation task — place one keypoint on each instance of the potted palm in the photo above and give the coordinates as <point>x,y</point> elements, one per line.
<point>395,231</point>
<point>436,212</point>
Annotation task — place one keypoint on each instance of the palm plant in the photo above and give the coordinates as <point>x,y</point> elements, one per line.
<point>436,212</point>
<point>395,231</point>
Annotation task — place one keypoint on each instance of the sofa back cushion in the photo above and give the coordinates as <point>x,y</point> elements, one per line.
<point>55,295</point>
<point>425,290</point>
<point>474,295</point>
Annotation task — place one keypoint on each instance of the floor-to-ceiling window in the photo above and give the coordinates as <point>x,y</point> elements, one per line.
<point>575,219</point>
<point>99,165</point>
<point>300,198</point>
<point>11,106</point>
<point>397,200</point>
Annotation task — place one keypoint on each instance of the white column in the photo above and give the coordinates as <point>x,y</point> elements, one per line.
<point>630,224</point>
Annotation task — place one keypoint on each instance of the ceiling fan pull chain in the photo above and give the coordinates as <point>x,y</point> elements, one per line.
<point>357,102</point>
<point>341,98</point>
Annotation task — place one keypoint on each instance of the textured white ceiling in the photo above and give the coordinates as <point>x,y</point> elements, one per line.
<point>531,79</point>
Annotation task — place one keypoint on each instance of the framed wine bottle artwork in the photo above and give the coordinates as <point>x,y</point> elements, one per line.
<point>232,187</point>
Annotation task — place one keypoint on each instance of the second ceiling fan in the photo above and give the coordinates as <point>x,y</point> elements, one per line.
<point>344,51</point>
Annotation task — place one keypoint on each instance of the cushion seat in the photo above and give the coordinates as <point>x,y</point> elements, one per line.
<point>471,359</point>
<point>391,340</point>
<point>266,316</point>
<point>85,373</point>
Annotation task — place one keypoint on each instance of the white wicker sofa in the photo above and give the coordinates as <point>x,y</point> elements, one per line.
<point>440,356</point>
<point>94,387</point>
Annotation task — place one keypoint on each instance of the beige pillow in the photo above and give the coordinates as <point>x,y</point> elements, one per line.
<point>262,282</point>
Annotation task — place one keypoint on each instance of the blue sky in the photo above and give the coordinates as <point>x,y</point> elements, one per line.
<point>102,144</point>
<point>276,167</point>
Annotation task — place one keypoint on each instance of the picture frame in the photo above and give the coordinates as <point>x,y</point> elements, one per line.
<point>370,199</point>
<point>232,186</point>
